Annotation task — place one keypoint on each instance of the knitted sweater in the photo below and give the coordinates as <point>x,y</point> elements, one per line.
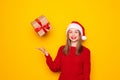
<point>72,66</point>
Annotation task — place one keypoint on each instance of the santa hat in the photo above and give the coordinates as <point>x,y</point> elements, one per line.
<point>78,26</point>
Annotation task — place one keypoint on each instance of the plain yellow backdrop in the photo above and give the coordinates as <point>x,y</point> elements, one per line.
<point>19,59</point>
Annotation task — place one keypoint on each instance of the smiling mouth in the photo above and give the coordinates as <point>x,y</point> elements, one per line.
<point>73,38</point>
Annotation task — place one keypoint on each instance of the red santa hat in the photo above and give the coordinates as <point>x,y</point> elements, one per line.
<point>77,25</point>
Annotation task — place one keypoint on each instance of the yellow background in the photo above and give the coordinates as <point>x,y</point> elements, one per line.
<point>19,59</point>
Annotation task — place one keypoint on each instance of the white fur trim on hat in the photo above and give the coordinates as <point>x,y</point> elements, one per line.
<point>84,37</point>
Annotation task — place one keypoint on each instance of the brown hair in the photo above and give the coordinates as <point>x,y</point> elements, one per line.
<point>68,44</point>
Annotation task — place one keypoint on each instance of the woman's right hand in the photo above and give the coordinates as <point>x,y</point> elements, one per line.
<point>43,50</point>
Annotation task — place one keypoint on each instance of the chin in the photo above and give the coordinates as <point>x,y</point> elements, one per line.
<point>74,40</point>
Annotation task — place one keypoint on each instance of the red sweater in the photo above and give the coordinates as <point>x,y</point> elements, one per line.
<point>72,66</point>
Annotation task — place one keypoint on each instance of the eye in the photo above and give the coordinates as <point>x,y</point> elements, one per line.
<point>76,31</point>
<point>70,31</point>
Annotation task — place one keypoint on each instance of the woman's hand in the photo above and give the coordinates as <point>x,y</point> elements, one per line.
<point>43,50</point>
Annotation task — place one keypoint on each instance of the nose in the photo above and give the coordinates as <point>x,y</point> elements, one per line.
<point>73,34</point>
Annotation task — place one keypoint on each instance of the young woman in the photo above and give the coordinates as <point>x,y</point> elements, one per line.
<point>73,59</point>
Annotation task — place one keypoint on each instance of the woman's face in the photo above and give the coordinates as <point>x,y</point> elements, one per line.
<point>73,34</point>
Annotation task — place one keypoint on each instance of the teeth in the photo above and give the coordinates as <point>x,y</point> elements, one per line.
<point>73,37</point>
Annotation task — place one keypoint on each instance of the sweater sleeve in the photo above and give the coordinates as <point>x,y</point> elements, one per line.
<point>86,65</point>
<point>54,65</point>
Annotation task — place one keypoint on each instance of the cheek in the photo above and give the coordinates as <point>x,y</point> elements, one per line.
<point>69,35</point>
<point>78,36</point>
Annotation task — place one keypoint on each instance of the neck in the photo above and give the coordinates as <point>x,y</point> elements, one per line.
<point>74,43</point>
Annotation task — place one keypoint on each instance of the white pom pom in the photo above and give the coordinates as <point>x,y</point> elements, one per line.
<point>84,37</point>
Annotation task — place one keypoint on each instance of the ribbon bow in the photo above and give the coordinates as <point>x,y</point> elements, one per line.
<point>47,26</point>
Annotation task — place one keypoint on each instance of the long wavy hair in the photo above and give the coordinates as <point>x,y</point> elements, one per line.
<point>68,44</point>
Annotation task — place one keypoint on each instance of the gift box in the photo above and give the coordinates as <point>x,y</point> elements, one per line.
<point>41,25</point>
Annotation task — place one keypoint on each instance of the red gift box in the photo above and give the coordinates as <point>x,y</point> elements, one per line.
<point>41,25</point>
